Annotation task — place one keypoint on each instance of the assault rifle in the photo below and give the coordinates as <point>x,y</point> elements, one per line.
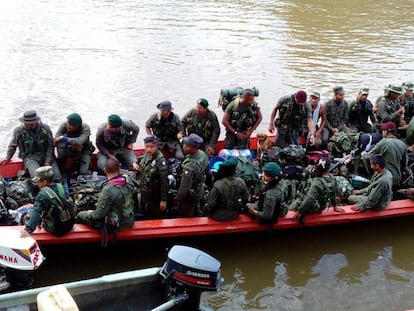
<point>344,160</point>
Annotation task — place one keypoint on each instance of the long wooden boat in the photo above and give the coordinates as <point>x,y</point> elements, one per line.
<point>186,274</point>
<point>180,227</point>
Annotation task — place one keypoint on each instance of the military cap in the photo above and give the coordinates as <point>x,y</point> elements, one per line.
<point>272,169</point>
<point>74,119</point>
<point>301,96</point>
<point>339,90</point>
<point>43,172</point>
<point>314,94</point>
<point>395,89</point>
<point>385,126</point>
<point>203,102</point>
<point>364,91</point>
<point>230,163</point>
<point>30,117</point>
<point>150,139</point>
<point>165,105</point>
<point>193,140</point>
<point>115,120</point>
<point>408,86</point>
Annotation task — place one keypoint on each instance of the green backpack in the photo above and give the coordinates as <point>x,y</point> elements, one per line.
<point>342,142</point>
<point>249,171</point>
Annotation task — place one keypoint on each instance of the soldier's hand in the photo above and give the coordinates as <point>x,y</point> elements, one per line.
<point>163,206</point>
<point>135,166</point>
<point>210,151</point>
<point>271,128</point>
<point>5,161</point>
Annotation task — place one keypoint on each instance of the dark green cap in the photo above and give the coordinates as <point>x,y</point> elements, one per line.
<point>115,120</point>
<point>203,102</point>
<point>230,163</point>
<point>74,119</point>
<point>272,169</point>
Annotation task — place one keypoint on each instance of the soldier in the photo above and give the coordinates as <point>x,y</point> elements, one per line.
<point>52,206</point>
<point>318,194</point>
<point>35,142</point>
<point>241,118</point>
<point>73,145</point>
<point>229,194</point>
<point>203,122</point>
<point>153,180</point>
<point>293,112</point>
<point>408,101</point>
<point>389,107</point>
<point>378,194</point>
<point>115,140</point>
<point>393,150</point>
<point>115,205</point>
<point>193,168</point>
<point>166,125</point>
<point>336,114</point>
<point>268,207</point>
<point>360,110</point>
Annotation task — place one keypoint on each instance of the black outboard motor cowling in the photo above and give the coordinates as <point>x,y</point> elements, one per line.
<point>191,271</point>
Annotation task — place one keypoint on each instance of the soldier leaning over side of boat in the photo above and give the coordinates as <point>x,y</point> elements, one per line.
<point>321,154</point>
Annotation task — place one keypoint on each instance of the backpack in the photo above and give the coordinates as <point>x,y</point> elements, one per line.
<point>249,171</point>
<point>227,95</point>
<point>18,193</point>
<point>342,142</point>
<point>59,219</point>
<point>291,154</point>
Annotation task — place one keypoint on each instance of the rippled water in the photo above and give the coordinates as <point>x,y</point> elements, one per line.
<point>103,57</point>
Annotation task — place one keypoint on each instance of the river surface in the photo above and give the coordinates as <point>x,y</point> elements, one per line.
<point>103,57</point>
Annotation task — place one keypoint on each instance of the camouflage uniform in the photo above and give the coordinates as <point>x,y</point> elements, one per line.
<point>242,119</point>
<point>35,148</point>
<point>115,202</point>
<point>153,184</point>
<point>77,146</point>
<point>207,127</point>
<point>50,217</point>
<point>408,103</point>
<point>394,152</point>
<point>166,130</point>
<point>336,115</point>
<point>191,181</point>
<point>359,113</point>
<point>317,195</point>
<point>269,203</point>
<point>292,117</point>
<point>377,195</point>
<point>227,197</point>
<point>116,144</point>
<point>386,110</point>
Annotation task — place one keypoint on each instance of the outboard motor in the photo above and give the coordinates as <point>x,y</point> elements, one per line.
<point>18,257</point>
<point>188,272</point>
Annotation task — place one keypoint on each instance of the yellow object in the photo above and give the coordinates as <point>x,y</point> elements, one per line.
<point>56,298</point>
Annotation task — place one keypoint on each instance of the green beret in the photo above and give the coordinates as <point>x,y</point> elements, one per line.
<point>203,102</point>
<point>272,169</point>
<point>115,120</point>
<point>74,119</point>
<point>230,163</point>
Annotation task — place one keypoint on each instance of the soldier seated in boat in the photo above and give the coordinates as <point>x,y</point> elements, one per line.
<point>115,140</point>
<point>167,126</point>
<point>319,193</point>
<point>191,178</point>
<point>390,107</point>
<point>378,194</point>
<point>115,205</point>
<point>203,122</point>
<point>229,194</point>
<point>52,206</point>
<point>268,206</point>
<point>35,142</point>
<point>73,146</point>
<point>153,180</point>
<point>241,118</point>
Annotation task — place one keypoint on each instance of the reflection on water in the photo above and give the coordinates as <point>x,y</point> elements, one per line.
<point>103,57</point>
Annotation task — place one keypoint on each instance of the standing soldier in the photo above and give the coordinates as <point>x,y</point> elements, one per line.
<point>115,140</point>
<point>408,101</point>
<point>293,112</point>
<point>193,168</point>
<point>336,114</point>
<point>360,111</point>
<point>389,107</point>
<point>167,126</point>
<point>153,180</point>
<point>203,122</point>
<point>318,118</point>
<point>73,145</point>
<point>35,142</point>
<point>241,118</point>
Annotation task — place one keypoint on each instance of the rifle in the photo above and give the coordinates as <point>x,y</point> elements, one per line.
<point>344,160</point>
